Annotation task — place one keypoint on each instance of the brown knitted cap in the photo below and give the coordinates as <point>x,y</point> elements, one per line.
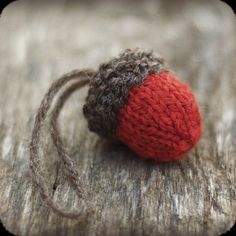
<point>109,90</point>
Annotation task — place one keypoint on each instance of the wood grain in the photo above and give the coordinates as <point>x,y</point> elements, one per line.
<point>193,196</point>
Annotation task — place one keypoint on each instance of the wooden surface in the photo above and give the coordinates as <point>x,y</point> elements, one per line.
<point>193,196</point>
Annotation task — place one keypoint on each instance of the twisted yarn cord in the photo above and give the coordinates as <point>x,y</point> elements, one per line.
<point>84,77</point>
<point>69,165</point>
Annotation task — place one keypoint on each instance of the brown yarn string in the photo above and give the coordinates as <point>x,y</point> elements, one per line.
<point>69,165</point>
<point>83,77</point>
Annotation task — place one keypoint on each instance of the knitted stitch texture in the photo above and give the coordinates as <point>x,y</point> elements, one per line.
<point>109,90</point>
<point>161,119</point>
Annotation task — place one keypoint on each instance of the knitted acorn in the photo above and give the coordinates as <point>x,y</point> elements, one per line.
<point>135,99</point>
<point>132,98</point>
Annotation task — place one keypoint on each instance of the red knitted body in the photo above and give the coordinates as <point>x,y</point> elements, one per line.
<point>161,119</point>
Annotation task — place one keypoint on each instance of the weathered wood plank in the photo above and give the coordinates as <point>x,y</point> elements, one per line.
<point>193,196</point>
